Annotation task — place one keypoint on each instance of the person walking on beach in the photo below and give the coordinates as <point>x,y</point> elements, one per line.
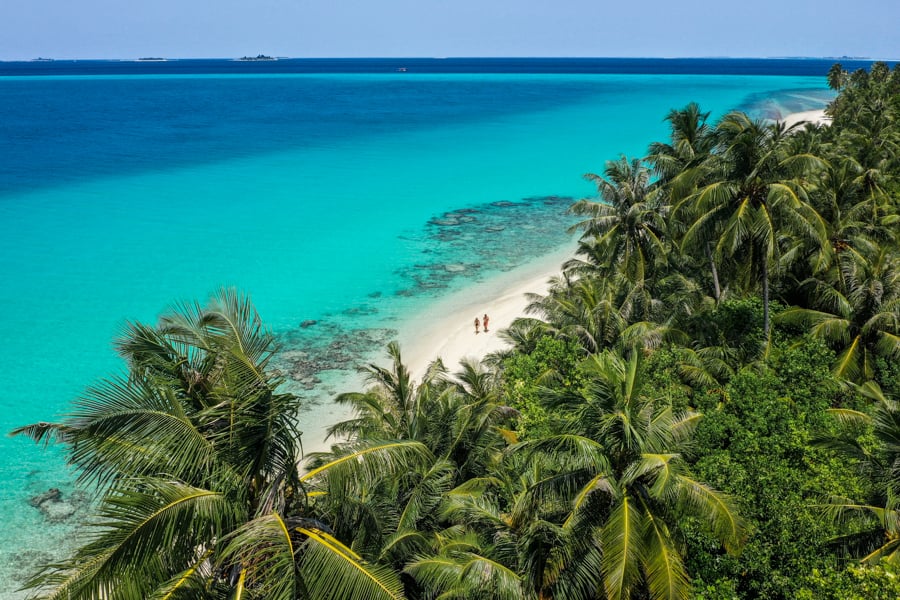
<point>485,321</point>
<point>477,323</point>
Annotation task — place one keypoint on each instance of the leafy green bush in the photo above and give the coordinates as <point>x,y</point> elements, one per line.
<point>755,443</point>
<point>856,582</point>
<point>553,364</point>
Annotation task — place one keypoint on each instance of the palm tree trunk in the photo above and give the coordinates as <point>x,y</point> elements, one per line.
<point>765,291</point>
<point>715,273</point>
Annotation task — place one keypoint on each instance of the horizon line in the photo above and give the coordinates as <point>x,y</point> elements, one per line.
<point>277,57</point>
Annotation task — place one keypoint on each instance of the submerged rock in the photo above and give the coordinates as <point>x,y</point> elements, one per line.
<point>57,512</point>
<point>445,222</point>
<point>51,495</point>
<point>53,507</point>
<point>360,310</point>
<point>308,323</point>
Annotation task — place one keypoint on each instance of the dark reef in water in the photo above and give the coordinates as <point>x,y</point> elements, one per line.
<point>467,243</point>
<point>332,347</point>
<point>494,237</point>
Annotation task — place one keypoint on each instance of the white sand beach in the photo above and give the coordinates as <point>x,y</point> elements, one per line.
<point>811,116</point>
<point>446,330</point>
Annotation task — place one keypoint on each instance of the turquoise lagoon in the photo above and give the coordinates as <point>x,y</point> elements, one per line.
<point>324,196</point>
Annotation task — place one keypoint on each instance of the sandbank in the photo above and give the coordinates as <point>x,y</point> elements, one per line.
<point>812,116</point>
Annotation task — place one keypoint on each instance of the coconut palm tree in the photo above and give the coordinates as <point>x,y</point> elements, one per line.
<point>679,165</point>
<point>602,312</point>
<point>874,525</point>
<point>690,143</point>
<point>622,474</point>
<point>837,77</point>
<point>196,455</point>
<point>757,195</point>
<point>624,230</point>
<point>857,213</point>
<point>499,544</point>
<point>856,307</point>
<point>457,418</point>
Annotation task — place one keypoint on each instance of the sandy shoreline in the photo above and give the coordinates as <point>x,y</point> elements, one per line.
<point>445,329</point>
<point>812,116</point>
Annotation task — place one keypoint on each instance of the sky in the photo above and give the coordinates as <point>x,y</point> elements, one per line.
<point>441,28</point>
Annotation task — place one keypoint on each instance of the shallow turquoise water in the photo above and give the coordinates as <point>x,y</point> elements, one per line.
<point>326,221</point>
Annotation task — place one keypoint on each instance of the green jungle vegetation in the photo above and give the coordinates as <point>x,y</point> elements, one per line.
<point>705,406</point>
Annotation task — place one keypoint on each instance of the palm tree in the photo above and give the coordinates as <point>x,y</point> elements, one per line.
<point>679,166</point>
<point>857,213</point>
<point>690,144</point>
<point>601,312</point>
<point>196,456</point>
<point>758,194</point>
<point>837,77</point>
<point>498,544</point>
<point>625,228</point>
<point>875,525</point>
<point>455,417</point>
<point>856,307</point>
<point>392,516</point>
<point>622,475</point>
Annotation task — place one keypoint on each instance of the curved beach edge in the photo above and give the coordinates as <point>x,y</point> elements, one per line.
<point>811,116</point>
<point>446,329</point>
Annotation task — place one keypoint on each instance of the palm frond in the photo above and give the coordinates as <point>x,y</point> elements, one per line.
<point>332,571</point>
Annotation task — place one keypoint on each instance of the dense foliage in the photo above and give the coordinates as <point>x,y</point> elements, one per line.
<point>704,405</point>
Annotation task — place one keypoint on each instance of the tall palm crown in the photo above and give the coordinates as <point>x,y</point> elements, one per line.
<point>196,455</point>
<point>601,311</point>
<point>679,166</point>
<point>858,212</point>
<point>456,418</point>
<point>625,228</point>
<point>626,484</point>
<point>757,195</point>
<point>690,143</point>
<point>857,308</point>
<point>875,524</point>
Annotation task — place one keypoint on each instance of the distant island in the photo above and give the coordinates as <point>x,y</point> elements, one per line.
<point>257,57</point>
<point>151,59</point>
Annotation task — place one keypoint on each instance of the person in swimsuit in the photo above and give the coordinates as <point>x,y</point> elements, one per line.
<point>477,323</point>
<point>485,321</point>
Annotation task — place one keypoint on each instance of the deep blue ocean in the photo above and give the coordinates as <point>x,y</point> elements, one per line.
<point>346,192</point>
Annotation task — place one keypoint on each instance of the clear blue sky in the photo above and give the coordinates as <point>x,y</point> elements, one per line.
<point>360,28</point>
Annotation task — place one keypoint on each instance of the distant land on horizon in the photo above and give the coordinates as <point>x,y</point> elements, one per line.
<point>273,57</point>
<point>155,64</point>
